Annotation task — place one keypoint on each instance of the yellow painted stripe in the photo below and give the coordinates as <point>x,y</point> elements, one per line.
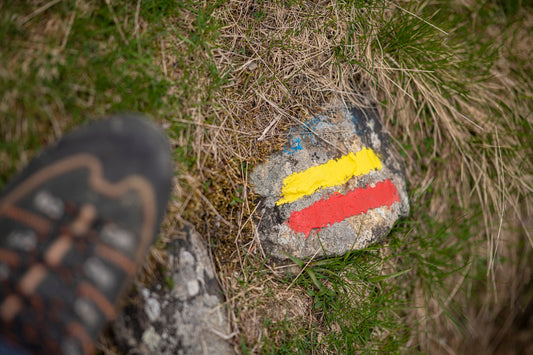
<point>332,173</point>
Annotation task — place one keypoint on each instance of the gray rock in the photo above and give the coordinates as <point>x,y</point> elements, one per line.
<point>328,211</point>
<point>188,318</point>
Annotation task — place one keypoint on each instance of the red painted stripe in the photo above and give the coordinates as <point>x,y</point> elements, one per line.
<point>338,207</point>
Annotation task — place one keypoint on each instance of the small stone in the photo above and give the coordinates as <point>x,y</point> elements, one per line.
<point>151,339</point>
<point>187,258</point>
<point>193,287</point>
<point>337,186</point>
<point>188,319</point>
<point>152,309</point>
<point>252,66</point>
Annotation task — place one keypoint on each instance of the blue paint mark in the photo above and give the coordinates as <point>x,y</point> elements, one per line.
<point>308,130</point>
<point>295,145</point>
<point>313,122</point>
<point>305,132</point>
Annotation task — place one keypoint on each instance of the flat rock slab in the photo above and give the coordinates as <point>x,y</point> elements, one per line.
<point>188,318</point>
<point>337,186</point>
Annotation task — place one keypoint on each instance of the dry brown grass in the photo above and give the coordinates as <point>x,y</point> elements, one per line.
<point>282,69</point>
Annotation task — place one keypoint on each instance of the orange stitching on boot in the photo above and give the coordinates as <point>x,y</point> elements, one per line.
<point>57,250</point>
<point>78,331</point>
<point>117,258</point>
<point>40,224</point>
<point>81,225</point>
<point>87,290</point>
<point>31,279</point>
<point>10,307</point>
<point>146,192</point>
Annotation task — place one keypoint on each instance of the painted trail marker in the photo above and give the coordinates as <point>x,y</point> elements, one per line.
<point>338,207</point>
<point>334,172</point>
<point>336,186</point>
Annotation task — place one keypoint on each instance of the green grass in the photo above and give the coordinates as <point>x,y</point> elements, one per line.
<point>363,298</point>
<point>83,67</point>
<point>91,62</point>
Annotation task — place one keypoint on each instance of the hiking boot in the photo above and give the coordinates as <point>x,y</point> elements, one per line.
<point>74,227</point>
